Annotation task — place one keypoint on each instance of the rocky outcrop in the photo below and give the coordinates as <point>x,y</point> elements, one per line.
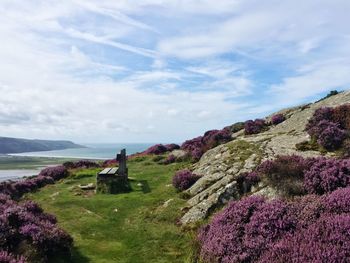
<point>221,166</point>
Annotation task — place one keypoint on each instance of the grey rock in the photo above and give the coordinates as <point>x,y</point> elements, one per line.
<point>220,166</point>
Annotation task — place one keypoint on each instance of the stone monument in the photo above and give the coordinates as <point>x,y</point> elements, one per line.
<point>114,180</point>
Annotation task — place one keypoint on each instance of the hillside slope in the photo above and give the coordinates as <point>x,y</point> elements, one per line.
<point>221,166</point>
<point>15,145</point>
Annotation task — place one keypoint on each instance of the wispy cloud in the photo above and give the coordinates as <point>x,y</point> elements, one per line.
<point>162,70</point>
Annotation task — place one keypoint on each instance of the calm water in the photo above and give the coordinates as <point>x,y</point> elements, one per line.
<point>16,174</point>
<point>94,151</point>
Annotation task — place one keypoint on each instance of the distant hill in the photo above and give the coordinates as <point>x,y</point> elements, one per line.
<point>15,145</point>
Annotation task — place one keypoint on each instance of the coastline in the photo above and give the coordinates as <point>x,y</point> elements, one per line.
<point>17,167</point>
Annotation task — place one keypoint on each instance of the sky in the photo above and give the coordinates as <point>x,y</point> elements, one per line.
<point>163,71</point>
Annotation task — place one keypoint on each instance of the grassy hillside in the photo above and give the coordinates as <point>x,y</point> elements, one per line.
<point>139,226</point>
<point>15,145</point>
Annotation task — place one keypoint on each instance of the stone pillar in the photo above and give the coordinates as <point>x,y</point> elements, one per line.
<point>121,158</point>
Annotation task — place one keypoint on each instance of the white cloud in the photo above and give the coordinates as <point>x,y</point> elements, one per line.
<point>158,70</point>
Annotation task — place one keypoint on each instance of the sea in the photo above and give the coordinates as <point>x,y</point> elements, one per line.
<point>93,151</point>
<point>96,151</point>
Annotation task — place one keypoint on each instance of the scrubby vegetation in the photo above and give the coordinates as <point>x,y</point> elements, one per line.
<point>196,147</point>
<point>277,119</point>
<point>26,228</point>
<point>245,181</point>
<point>160,148</point>
<point>254,127</point>
<point>285,173</point>
<point>46,176</point>
<point>330,126</point>
<point>330,94</point>
<point>81,164</point>
<point>184,179</point>
<point>294,175</point>
<point>309,229</point>
<point>26,232</point>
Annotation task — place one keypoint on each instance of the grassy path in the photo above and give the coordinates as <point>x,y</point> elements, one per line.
<point>133,227</point>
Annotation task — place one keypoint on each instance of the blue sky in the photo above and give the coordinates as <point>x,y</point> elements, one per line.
<point>162,71</point>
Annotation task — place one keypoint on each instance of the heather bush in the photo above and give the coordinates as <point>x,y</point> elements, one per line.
<point>338,201</point>
<point>286,173</point>
<point>341,115</point>
<point>269,223</point>
<point>184,179</point>
<point>326,240</point>
<point>328,134</point>
<point>170,159</point>
<point>156,149</point>
<point>171,147</point>
<point>108,163</point>
<point>222,239</point>
<point>311,228</point>
<point>235,127</point>
<point>86,164</point>
<point>26,223</point>
<point>196,147</point>
<point>56,172</point>
<point>329,126</point>
<point>321,114</point>
<point>306,209</point>
<point>46,176</point>
<point>81,164</point>
<point>254,127</point>
<point>277,119</point>
<point>245,181</point>
<point>68,165</point>
<point>326,175</point>
<point>6,257</point>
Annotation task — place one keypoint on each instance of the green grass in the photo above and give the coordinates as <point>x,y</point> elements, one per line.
<point>131,227</point>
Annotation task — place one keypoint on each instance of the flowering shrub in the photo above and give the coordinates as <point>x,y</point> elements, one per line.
<point>326,240</point>
<point>323,113</point>
<point>46,176</point>
<point>86,164</point>
<point>295,175</point>
<point>277,119</point>
<point>56,173</point>
<point>160,148</point>
<point>156,149</point>
<point>341,115</point>
<point>81,164</point>
<point>245,181</point>
<point>196,147</point>
<point>111,162</point>
<point>222,239</point>
<point>26,223</point>
<point>329,126</point>
<point>184,179</point>
<point>337,201</point>
<point>6,257</point>
<point>308,229</point>
<point>331,136</point>
<point>286,173</point>
<point>326,175</point>
<point>254,127</point>
<point>235,127</point>
<point>170,159</point>
<point>172,146</point>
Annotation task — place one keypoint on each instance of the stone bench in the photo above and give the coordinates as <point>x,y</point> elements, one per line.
<point>114,180</point>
